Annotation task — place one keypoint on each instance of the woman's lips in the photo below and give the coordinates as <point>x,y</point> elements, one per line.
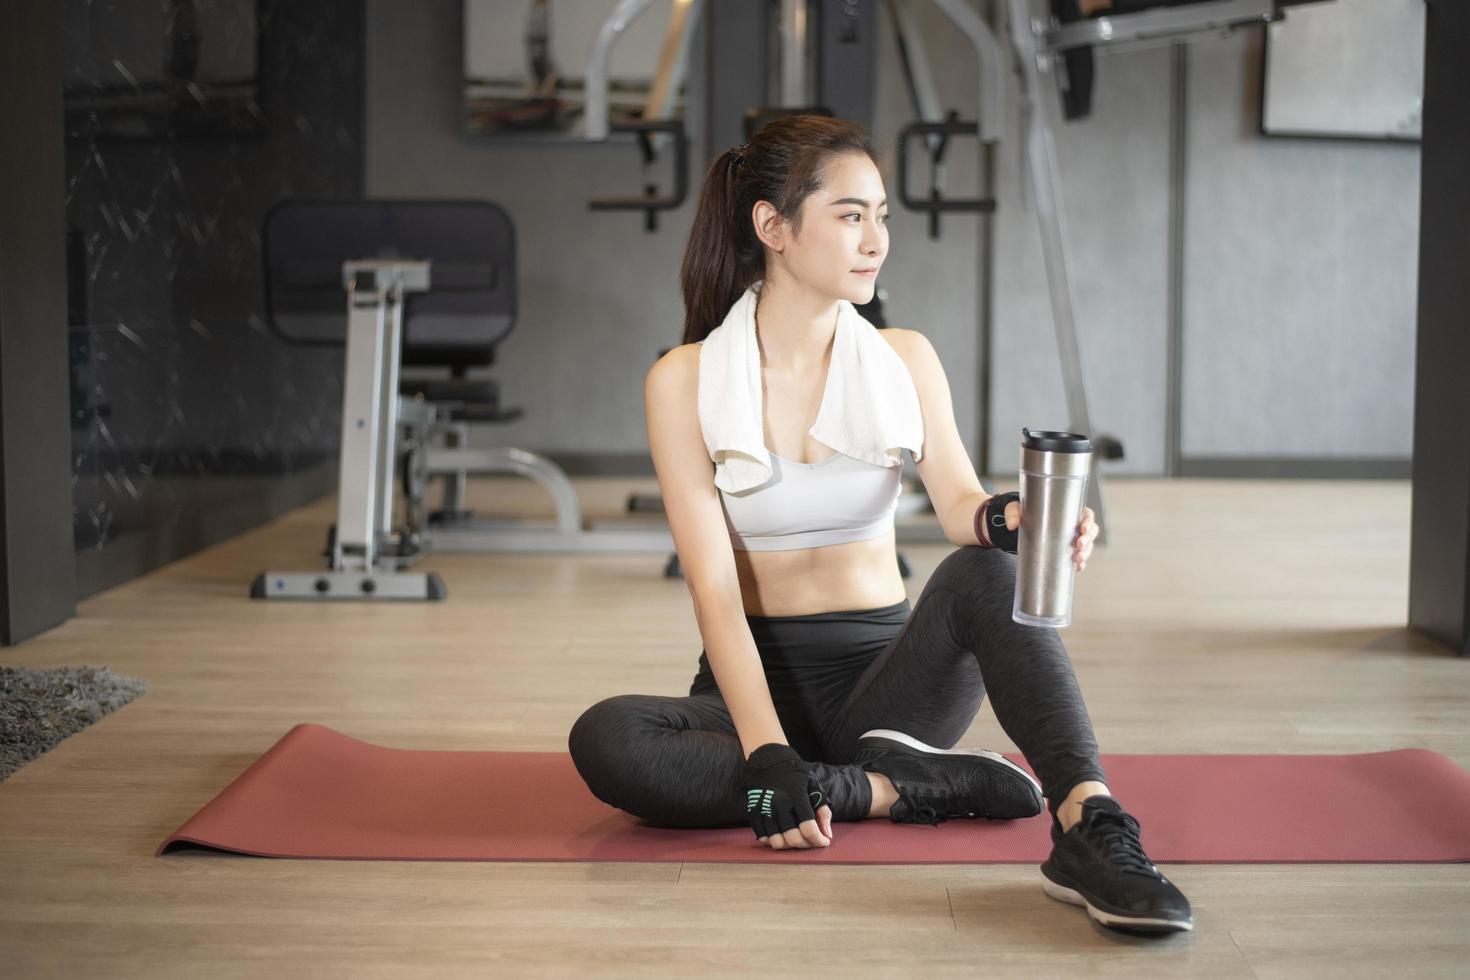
<point>870,273</point>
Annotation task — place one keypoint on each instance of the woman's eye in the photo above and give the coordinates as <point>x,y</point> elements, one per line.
<point>854,215</point>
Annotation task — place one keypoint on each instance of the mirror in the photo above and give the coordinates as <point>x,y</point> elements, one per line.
<point>525,65</point>
<point>162,71</point>
<point>1349,69</point>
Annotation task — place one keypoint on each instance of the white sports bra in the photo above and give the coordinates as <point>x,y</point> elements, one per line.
<point>807,505</point>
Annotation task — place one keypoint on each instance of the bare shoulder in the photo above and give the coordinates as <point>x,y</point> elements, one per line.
<point>899,339</point>
<point>676,372</point>
<point>680,359</point>
<point>912,347</point>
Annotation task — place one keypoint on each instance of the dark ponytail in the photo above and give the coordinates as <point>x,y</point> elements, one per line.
<point>782,164</point>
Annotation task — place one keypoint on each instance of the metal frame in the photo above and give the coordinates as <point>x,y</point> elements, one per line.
<point>564,535</point>
<point>1035,43</point>
<point>360,567</point>
<point>795,31</point>
<point>991,62</point>
<point>1041,172</point>
<point>1045,183</point>
<point>656,129</point>
<point>673,63</point>
<point>1157,25</point>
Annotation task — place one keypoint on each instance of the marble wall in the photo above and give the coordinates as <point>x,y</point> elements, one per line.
<point>186,121</point>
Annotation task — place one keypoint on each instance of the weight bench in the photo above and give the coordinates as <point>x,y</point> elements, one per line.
<point>427,284</point>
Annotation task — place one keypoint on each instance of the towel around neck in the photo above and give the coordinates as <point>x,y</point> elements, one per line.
<point>870,407</point>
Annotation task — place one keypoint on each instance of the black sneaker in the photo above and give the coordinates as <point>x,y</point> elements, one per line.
<point>1100,864</point>
<point>938,784</point>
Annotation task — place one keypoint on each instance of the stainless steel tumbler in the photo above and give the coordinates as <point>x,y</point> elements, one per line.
<point>1054,471</point>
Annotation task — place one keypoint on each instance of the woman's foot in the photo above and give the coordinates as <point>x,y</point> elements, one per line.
<point>884,795</point>
<point>1071,809</point>
<point>934,784</point>
<point>1100,864</point>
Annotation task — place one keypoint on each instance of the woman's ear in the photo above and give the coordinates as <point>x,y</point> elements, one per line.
<point>770,227</point>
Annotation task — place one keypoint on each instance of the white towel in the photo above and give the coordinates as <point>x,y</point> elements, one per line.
<point>870,407</point>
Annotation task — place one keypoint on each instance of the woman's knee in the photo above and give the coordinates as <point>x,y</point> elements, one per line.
<point>619,746</point>
<point>971,566</point>
<point>984,579</point>
<point>601,737</point>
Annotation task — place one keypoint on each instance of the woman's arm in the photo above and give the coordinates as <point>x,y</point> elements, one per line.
<point>697,521</point>
<point>949,477</point>
<point>737,668</point>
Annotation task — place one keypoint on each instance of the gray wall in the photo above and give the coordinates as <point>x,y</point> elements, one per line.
<point>1300,275</point>
<point>1299,261</point>
<point>1114,168</point>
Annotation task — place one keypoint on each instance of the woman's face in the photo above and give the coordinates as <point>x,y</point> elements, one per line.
<point>844,230</point>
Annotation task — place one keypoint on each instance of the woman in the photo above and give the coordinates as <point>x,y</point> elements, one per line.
<point>819,687</point>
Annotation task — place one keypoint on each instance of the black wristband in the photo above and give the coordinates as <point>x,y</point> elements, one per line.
<point>995,522</point>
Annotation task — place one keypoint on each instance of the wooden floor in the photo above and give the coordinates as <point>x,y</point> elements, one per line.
<point>1224,616</point>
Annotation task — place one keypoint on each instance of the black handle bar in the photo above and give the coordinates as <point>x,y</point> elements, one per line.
<point>935,203</point>
<point>650,203</point>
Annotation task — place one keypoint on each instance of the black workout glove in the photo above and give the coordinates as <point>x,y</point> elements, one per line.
<point>780,790</point>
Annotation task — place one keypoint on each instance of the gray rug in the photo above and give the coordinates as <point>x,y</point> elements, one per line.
<point>39,708</point>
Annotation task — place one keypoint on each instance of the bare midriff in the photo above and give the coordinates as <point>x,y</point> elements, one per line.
<point>831,578</point>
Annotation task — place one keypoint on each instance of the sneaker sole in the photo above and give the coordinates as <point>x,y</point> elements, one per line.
<point>1063,893</point>
<point>878,736</point>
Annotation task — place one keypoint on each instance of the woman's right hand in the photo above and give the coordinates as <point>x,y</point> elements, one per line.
<point>780,793</point>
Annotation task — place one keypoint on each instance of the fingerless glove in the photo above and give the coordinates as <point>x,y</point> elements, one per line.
<point>780,790</point>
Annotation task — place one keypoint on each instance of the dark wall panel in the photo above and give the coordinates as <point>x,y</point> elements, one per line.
<point>1439,557</point>
<point>186,122</point>
<point>36,583</point>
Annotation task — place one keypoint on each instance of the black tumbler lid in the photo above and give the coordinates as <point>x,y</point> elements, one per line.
<point>1055,442</point>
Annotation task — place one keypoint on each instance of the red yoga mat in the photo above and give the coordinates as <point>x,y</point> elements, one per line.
<point>319,794</point>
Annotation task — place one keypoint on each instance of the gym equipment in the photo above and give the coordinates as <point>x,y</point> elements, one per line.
<point>1036,44</point>
<point>364,563</point>
<point>657,112</point>
<point>396,317</point>
<point>368,802</point>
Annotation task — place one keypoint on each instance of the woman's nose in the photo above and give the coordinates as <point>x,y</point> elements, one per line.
<point>872,240</point>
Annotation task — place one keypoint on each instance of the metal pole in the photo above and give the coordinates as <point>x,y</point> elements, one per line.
<point>1041,168</point>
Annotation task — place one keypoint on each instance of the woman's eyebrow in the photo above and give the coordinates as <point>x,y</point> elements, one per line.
<point>858,201</point>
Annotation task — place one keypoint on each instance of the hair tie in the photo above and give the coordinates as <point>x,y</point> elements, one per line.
<point>739,157</point>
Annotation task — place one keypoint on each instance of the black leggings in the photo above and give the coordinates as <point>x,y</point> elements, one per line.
<point>677,762</point>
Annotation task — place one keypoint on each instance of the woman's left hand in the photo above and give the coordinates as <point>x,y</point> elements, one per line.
<point>1086,532</point>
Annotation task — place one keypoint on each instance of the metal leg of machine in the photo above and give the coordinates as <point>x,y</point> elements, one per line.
<point>365,558</point>
<point>453,507</point>
<point>564,535</point>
